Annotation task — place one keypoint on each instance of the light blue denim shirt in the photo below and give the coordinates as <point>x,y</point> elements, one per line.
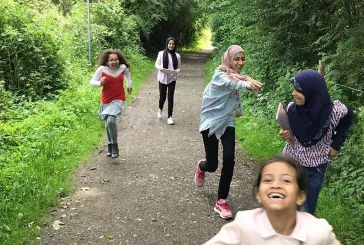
<point>220,102</point>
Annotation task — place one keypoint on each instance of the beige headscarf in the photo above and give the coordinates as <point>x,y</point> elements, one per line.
<point>227,60</point>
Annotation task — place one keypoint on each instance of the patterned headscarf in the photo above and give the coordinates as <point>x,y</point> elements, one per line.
<point>310,122</point>
<point>227,61</point>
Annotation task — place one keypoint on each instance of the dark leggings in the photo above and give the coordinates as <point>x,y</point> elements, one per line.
<point>163,95</point>
<point>210,165</point>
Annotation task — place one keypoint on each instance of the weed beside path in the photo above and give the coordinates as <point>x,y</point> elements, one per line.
<point>147,195</point>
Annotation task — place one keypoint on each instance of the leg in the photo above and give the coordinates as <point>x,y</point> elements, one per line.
<point>162,94</point>
<point>211,150</point>
<point>227,171</point>
<point>113,132</point>
<point>315,179</point>
<point>109,145</point>
<point>171,87</point>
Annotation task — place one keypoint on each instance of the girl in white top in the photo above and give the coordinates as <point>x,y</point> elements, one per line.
<point>168,64</point>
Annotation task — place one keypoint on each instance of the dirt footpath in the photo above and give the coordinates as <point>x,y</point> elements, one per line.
<point>147,195</point>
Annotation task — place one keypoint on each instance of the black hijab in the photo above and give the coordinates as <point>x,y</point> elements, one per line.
<point>173,54</point>
<point>310,122</point>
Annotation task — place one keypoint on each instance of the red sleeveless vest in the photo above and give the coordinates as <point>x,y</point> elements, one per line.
<point>113,88</point>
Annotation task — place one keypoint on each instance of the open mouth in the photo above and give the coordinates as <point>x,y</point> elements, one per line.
<point>276,196</point>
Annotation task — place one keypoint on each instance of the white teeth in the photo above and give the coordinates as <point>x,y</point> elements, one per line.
<point>276,196</point>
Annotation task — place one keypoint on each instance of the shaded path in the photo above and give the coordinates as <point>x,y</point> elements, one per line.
<point>147,195</point>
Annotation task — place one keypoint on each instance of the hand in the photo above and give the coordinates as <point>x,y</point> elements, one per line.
<point>254,85</point>
<point>333,153</point>
<point>161,68</point>
<point>284,134</point>
<point>238,114</point>
<point>129,90</point>
<point>102,81</point>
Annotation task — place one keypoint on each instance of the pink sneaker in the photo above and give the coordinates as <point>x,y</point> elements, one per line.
<point>222,207</point>
<point>199,175</point>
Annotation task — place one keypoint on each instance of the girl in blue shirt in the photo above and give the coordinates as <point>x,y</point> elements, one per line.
<point>220,104</point>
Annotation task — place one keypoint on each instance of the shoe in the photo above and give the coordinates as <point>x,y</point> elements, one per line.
<point>115,151</point>
<point>159,114</point>
<point>170,121</point>
<point>199,175</point>
<point>109,150</point>
<point>222,207</point>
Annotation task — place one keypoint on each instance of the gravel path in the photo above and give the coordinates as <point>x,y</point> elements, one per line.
<point>147,195</point>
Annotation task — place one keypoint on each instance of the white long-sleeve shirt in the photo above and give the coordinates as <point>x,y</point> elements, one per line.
<point>95,80</point>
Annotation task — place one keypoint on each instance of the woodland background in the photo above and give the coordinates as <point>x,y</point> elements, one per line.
<point>48,122</point>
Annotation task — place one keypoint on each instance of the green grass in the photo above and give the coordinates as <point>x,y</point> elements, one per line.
<point>53,142</point>
<point>348,224</point>
<point>259,139</point>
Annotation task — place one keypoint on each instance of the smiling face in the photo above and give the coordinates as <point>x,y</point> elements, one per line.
<point>113,61</point>
<point>238,62</point>
<point>171,45</point>
<point>299,98</point>
<point>278,189</point>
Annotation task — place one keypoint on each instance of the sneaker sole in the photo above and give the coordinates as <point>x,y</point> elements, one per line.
<point>224,217</point>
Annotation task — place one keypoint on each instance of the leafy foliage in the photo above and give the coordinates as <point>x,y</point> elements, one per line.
<point>160,19</point>
<point>29,61</point>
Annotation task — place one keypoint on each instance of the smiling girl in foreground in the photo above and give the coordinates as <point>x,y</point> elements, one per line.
<point>280,189</point>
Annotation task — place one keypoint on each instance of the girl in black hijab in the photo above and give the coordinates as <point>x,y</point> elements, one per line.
<point>168,64</point>
<point>319,128</point>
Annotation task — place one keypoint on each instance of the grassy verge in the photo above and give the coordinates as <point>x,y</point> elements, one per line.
<point>49,145</point>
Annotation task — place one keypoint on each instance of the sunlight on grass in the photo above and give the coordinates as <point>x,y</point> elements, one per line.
<point>205,41</point>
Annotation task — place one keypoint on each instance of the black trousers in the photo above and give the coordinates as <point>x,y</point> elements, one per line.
<point>228,159</point>
<point>163,95</point>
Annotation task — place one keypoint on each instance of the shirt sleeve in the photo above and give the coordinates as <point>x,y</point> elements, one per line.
<point>95,80</point>
<point>222,80</point>
<point>179,63</point>
<point>343,126</point>
<point>128,78</point>
<point>158,62</point>
<point>228,235</point>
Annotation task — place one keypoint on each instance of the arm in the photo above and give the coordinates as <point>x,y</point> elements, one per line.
<point>158,62</point>
<point>221,80</point>
<point>179,63</point>
<point>228,235</point>
<point>341,129</point>
<point>128,80</point>
<point>96,79</point>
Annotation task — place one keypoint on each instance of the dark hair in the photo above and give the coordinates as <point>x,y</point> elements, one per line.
<point>300,172</point>
<point>104,56</point>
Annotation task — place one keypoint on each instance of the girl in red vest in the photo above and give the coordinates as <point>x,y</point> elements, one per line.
<point>113,68</point>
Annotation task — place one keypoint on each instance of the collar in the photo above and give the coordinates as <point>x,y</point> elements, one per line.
<point>266,230</point>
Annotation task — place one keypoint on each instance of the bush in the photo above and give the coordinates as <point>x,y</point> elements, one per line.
<point>29,60</point>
